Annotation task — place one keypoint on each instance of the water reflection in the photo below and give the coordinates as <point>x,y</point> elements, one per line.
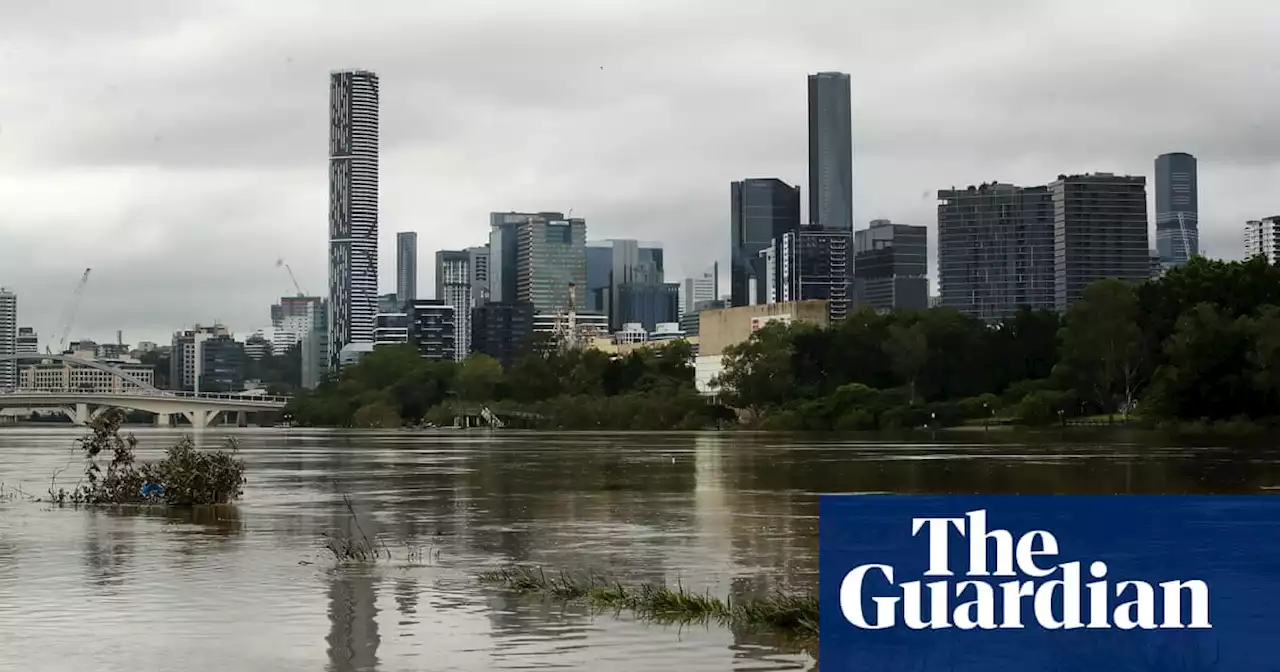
<point>353,623</point>
<point>108,548</point>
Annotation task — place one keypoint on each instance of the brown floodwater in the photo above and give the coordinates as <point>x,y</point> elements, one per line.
<point>251,587</point>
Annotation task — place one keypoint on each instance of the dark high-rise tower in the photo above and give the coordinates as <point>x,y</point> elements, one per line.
<point>406,267</point>
<point>830,151</point>
<point>1177,209</point>
<point>761,210</point>
<point>353,209</point>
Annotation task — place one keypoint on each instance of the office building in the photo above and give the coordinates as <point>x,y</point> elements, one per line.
<point>890,268</point>
<point>614,264</point>
<point>353,209</point>
<point>28,343</point>
<point>1262,237</point>
<point>432,329</point>
<point>454,282</point>
<point>705,287</point>
<point>391,329</point>
<point>551,264</point>
<point>830,151</point>
<point>761,211</point>
<point>996,249</point>
<point>1099,231</point>
<point>690,321</point>
<point>504,243</point>
<point>390,303</point>
<point>815,263</point>
<point>256,346</point>
<point>500,330</point>
<point>1177,208</point>
<point>478,265</point>
<point>314,346</point>
<point>206,359</point>
<point>53,376</point>
<point>8,338</point>
<point>648,304</point>
<point>406,267</point>
<point>294,318</point>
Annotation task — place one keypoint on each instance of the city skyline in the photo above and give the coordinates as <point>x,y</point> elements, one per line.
<point>172,167</point>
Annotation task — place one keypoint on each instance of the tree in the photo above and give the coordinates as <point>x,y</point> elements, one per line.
<point>1102,344</point>
<point>908,350</point>
<point>757,373</point>
<point>478,378</point>
<point>1264,356</point>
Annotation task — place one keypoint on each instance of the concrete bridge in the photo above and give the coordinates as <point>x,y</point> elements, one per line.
<point>201,409</point>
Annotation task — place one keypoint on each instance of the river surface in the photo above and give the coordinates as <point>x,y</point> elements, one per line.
<point>251,587</point>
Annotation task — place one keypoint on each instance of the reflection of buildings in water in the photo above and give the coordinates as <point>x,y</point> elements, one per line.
<point>713,518</point>
<point>532,618</point>
<point>353,626</point>
<point>406,592</point>
<point>774,523</point>
<point>109,547</point>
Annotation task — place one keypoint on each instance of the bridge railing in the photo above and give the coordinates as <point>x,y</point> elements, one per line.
<point>160,394</point>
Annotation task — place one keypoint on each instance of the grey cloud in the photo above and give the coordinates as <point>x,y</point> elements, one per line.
<point>211,120</point>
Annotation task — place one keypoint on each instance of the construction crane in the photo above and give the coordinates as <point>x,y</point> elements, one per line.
<point>294,280</point>
<point>68,318</point>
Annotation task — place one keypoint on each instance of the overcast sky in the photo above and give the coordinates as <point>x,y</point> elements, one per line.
<point>179,148</point>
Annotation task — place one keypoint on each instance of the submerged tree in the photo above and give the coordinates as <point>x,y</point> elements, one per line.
<point>186,476</point>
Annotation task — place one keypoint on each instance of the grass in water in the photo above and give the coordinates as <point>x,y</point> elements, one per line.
<point>795,617</point>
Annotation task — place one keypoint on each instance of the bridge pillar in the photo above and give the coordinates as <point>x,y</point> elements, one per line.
<point>163,420</point>
<point>79,414</point>
<point>201,418</point>
<point>242,419</point>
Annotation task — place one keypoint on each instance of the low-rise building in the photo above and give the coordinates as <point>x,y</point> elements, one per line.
<point>719,329</point>
<point>57,376</point>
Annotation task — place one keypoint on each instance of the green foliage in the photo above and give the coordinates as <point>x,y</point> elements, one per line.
<point>187,476</point>
<point>1201,344</point>
<point>574,388</point>
<point>794,616</point>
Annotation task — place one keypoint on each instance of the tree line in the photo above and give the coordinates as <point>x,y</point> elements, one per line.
<point>566,388</point>
<point>1199,345</point>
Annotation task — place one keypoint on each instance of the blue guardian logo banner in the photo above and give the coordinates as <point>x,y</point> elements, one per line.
<point>1049,583</point>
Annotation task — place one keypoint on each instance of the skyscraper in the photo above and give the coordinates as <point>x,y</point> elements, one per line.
<point>995,249</point>
<point>406,267</point>
<point>814,263</point>
<point>353,209</point>
<point>1099,231</point>
<point>453,288</point>
<point>617,265</point>
<point>891,266</point>
<point>1177,209</point>
<point>551,260</point>
<point>8,338</point>
<point>503,242</point>
<point>760,211</point>
<point>830,151</point>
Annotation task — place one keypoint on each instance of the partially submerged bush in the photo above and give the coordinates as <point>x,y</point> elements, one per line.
<point>187,476</point>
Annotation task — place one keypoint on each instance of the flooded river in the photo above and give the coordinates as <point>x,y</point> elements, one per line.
<point>253,588</point>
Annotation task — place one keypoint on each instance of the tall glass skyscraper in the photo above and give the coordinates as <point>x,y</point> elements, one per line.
<point>406,267</point>
<point>830,151</point>
<point>1177,209</point>
<point>761,210</point>
<point>353,209</point>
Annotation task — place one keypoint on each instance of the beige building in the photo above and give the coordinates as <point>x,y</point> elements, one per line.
<point>51,376</point>
<point>719,329</point>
